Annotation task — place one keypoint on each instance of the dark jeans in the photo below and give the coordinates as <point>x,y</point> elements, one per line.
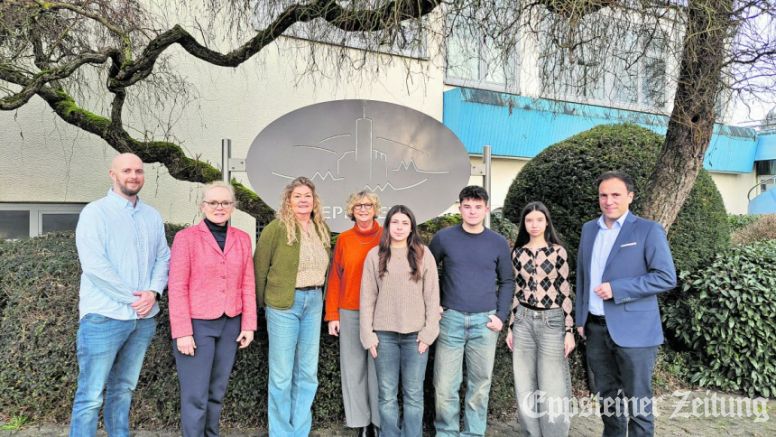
<point>623,383</point>
<point>204,376</point>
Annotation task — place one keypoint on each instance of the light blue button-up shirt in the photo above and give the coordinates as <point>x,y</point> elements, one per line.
<point>122,250</point>
<point>604,241</point>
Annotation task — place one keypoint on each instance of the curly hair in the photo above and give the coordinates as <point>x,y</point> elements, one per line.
<point>286,214</point>
<point>355,197</point>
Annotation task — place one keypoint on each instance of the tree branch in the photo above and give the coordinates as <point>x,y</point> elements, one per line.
<point>329,10</point>
<point>31,85</point>
<point>116,30</point>
<point>167,153</point>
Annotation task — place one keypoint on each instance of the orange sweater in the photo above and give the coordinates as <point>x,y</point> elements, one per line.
<point>344,284</point>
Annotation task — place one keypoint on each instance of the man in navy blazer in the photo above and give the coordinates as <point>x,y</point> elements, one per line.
<point>623,263</point>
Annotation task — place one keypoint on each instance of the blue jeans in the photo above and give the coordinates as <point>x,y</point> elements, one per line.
<point>621,374</point>
<point>463,336</point>
<point>397,355</point>
<point>110,356</point>
<point>294,339</point>
<point>542,378</point>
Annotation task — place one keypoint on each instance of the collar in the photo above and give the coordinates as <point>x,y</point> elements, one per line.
<point>214,227</point>
<point>203,226</point>
<point>617,224</point>
<point>121,201</point>
<point>371,232</point>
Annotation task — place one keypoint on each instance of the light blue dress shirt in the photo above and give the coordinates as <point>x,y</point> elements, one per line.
<point>122,250</point>
<point>604,241</point>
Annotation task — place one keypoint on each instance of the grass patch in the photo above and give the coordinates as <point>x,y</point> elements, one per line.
<point>15,423</point>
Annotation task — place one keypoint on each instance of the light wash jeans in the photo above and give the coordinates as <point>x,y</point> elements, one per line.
<point>542,378</point>
<point>294,340</point>
<point>110,356</point>
<point>463,336</point>
<point>398,356</point>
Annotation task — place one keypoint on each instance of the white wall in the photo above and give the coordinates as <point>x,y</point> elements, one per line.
<point>733,187</point>
<point>42,159</point>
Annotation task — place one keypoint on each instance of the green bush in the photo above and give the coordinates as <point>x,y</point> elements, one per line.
<point>38,366</point>
<point>563,177</point>
<point>729,320</point>
<point>39,281</point>
<point>761,228</point>
<point>498,223</point>
<point>738,221</point>
<point>427,229</point>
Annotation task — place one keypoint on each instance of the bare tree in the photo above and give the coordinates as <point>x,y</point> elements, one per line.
<point>64,51</point>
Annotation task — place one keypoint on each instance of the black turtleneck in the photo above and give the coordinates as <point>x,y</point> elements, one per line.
<point>219,233</point>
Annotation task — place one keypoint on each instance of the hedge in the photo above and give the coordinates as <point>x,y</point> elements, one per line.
<point>728,320</point>
<point>563,177</point>
<point>38,368</point>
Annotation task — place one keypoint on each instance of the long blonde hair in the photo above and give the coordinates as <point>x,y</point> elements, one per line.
<point>286,214</point>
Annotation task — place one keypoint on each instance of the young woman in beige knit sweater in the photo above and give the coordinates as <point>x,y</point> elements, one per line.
<point>400,319</point>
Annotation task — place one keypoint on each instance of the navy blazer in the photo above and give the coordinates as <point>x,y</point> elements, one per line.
<point>638,268</point>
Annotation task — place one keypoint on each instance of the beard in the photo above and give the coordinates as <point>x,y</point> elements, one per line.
<point>129,191</point>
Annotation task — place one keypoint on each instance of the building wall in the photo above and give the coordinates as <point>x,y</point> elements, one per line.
<point>43,159</point>
<point>733,187</point>
<point>504,172</point>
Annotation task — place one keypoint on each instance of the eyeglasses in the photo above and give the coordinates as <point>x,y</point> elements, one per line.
<point>366,206</point>
<point>215,204</point>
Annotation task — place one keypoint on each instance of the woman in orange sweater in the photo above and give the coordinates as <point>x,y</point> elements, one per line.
<point>359,383</point>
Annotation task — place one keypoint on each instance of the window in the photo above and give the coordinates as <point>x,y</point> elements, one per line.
<point>630,72</point>
<point>478,55</point>
<point>614,62</point>
<point>14,224</point>
<point>407,39</point>
<point>26,220</point>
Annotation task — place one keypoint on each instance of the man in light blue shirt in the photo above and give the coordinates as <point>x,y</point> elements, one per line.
<point>624,262</point>
<point>124,258</point>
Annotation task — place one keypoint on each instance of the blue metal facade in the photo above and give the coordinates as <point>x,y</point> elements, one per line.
<point>517,126</point>
<point>766,146</point>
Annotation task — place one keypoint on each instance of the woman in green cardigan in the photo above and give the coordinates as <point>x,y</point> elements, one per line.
<point>291,260</point>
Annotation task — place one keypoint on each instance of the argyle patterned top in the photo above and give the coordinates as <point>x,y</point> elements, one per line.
<point>541,280</point>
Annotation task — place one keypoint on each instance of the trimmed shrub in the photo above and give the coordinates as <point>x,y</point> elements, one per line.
<point>39,281</point>
<point>38,365</point>
<point>729,321</point>
<point>761,228</point>
<point>498,224</point>
<point>427,229</point>
<point>563,177</point>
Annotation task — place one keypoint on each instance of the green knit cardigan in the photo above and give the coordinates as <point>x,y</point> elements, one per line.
<point>276,263</point>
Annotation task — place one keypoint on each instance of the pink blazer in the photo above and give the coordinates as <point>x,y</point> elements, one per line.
<point>206,283</point>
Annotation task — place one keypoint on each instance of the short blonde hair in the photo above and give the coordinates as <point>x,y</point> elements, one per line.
<point>355,197</point>
<point>218,184</point>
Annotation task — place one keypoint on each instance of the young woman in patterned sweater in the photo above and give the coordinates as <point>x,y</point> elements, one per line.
<point>541,335</point>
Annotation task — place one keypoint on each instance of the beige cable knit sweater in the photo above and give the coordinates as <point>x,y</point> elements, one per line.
<point>396,303</point>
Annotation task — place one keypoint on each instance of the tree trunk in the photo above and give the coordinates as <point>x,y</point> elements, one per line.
<point>692,119</point>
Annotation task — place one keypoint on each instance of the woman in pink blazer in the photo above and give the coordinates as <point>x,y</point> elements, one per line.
<point>212,308</point>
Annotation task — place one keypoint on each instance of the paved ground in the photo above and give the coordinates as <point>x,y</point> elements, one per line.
<point>698,413</point>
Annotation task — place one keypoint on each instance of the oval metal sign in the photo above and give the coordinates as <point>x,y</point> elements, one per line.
<point>345,146</point>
